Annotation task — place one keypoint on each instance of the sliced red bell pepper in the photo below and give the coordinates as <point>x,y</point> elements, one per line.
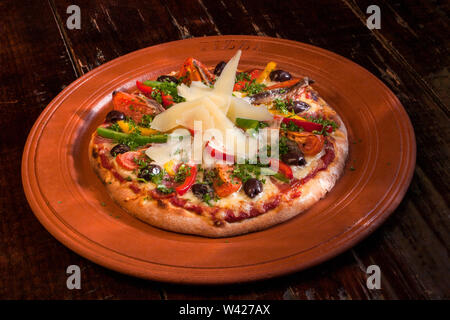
<point>284,84</point>
<point>218,154</point>
<point>167,99</point>
<point>282,168</point>
<point>307,125</point>
<point>190,180</point>
<point>147,90</point>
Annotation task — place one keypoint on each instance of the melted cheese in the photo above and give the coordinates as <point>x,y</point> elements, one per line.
<point>300,172</point>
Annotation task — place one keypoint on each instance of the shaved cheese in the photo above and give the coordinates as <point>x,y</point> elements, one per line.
<point>187,119</point>
<point>240,108</point>
<point>175,149</point>
<point>161,153</point>
<point>222,102</point>
<point>167,120</point>
<point>197,90</point>
<point>225,83</point>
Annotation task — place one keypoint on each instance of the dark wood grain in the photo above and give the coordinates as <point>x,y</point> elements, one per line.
<point>410,54</point>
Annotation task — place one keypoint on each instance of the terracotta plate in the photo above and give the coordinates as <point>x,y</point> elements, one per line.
<point>70,201</point>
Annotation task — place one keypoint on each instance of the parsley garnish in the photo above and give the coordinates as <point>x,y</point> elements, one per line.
<point>283,147</point>
<point>242,76</point>
<point>146,121</point>
<point>157,96</point>
<point>253,87</point>
<point>115,127</point>
<point>291,126</point>
<point>167,88</point>
<point>246,171</point>
<point>163,189</point>
<point>183,172</point>
<point>281,106</point>
<point>325,124</point>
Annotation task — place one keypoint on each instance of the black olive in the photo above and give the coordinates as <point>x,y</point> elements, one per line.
<point>148,172</point>
<point>219,68</point>
<point>201,189</point>
<point>120,148</point>
<point>253,187</point>
<point>294,158</point>
<point>166,78</point>
<point>114,116</point>
<point>280,75</point>
<point>298,106</point>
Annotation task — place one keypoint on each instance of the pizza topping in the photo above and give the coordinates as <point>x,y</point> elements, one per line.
<point>293,158</point>
<point>291,153</point>
<point>219,68</point>
<point>280,76</point>
<point>244,79</point>
<point>253,187</point>
<point>225,183</point>
<point>149,172</point>
<point>127,160</point>
<point>310,144</point>
<point>217,153</point>
<point>133,139</point>
<point>164,92</point>
<point>114,116</point>
<point>266,72</point>
<point>194,70</point>
<point>186,174</point>
<point>298,106</point>
<point>135,188</point>
<point>135,106</point>
<point>167,78</point>
<point>308,125</point>
<point>119,148</point>
<point>105,161</point>
<point>280,92</point>
<point>282,168</point>
<point>130,127</point>
<point>203,191</point>
<point>117,176</point>
<point>162,192</point>
<point>327,125</point>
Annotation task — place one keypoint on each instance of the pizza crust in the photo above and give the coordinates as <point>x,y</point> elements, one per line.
<point>169,217</point>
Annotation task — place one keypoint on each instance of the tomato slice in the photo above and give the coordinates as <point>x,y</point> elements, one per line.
<point>126,160</point>
<point>167,100</point>
<point>282,168</point>
<point>131,105</point>
<point>241,84</point>
<point>225,184</point>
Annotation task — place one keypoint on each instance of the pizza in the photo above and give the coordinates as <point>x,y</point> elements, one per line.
<point>219,151</point>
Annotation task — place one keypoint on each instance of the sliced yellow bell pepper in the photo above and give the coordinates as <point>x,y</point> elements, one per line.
<point>169,166</point>
<point>266,72</point>
<point>285,115</point>
<point>126,128</point>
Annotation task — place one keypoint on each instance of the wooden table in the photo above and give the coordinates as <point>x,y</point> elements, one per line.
<point>39,56</point>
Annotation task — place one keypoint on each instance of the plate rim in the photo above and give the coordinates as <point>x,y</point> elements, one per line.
<point>349,240</point>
